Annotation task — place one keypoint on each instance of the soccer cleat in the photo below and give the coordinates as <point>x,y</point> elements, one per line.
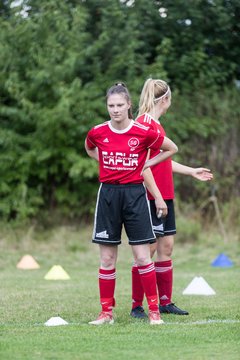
<point>138,313</point>
<point>103,318</point>
<point>172,309</point>
<point>154,318</point>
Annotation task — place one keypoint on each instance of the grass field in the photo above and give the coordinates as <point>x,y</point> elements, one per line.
<point>211,331</point>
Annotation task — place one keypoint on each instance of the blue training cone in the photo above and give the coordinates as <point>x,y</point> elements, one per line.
<point>222,261</point>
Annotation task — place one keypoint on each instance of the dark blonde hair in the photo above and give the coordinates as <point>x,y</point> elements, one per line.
<point>121,89</point>
<point>152,92</point>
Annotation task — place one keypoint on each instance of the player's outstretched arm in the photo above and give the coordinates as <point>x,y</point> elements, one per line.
<point>200,173</point>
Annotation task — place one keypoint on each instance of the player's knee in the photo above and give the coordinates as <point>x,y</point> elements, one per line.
<point>108,261</point>
<point>165,250</point>
<point>143,260</point>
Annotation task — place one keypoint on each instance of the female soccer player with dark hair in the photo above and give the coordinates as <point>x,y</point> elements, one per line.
<point>121,146</point>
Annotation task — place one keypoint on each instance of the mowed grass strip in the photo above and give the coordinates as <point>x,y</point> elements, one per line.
<point>211,331</point>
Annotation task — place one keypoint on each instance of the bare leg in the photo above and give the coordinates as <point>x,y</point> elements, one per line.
<point>108,257</point>
<point>141,254</point>
<point>164,248</point>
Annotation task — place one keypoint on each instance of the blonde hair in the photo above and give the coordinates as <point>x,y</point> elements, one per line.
<point>153,91</point>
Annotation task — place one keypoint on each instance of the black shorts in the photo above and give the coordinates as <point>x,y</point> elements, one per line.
<point>163,226</point>
<point>119,205</point>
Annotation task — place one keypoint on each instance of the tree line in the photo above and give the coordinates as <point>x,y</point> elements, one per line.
<point>57,59</point>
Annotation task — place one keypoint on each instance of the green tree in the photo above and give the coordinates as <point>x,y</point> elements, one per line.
<point>57,58</point>
<point>43,102</point>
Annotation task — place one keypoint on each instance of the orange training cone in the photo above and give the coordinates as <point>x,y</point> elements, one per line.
<point>27,262</point>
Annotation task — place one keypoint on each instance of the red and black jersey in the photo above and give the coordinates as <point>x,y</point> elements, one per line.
<point>162,172</point>
<point>122,153</point>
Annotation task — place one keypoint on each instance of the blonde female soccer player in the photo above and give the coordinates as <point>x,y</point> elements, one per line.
<point>154,102</point>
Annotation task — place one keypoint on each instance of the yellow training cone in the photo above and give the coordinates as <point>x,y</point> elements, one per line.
<point>27,262</point>
<point>57,273</point>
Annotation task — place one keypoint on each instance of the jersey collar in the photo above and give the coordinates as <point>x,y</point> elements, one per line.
<point>120,131</point>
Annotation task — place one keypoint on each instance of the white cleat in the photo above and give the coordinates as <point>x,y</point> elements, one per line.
<point>154,318</point>
<point>103,318</point>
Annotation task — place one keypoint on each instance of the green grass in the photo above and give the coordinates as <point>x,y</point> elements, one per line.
<point>211,331</point>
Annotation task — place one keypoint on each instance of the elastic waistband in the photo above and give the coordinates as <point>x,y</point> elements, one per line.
<point>110,185</point>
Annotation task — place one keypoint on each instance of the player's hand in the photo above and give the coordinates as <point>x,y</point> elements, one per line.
<point>202,174</point>
<point>161,207</point>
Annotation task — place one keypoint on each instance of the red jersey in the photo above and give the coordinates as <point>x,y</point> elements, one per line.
<point>162,172</point>
<point>122,153</point>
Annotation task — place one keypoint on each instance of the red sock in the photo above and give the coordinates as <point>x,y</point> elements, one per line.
<point>164,273</point>
<point>107,280</point>
<point>137,288</point>
<point>148,279</point>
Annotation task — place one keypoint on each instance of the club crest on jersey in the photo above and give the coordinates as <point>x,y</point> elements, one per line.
<point>133,143</point>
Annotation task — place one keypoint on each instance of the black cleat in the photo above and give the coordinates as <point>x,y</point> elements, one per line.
<point>172,309</point>
<point>138,313</point>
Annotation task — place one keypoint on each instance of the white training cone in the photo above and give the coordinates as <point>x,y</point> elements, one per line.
<point>27,262</point>
<point>198,286</point>
<point>56,321</point>
<point>57,273</point>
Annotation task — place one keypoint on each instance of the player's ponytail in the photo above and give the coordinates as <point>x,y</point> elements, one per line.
<point>153,91</point>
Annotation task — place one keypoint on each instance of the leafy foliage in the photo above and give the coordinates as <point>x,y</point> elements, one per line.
<point>58,58</point>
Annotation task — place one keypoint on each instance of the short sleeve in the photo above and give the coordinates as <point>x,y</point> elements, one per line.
<point>90,139</point>
<point>154,140</point>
